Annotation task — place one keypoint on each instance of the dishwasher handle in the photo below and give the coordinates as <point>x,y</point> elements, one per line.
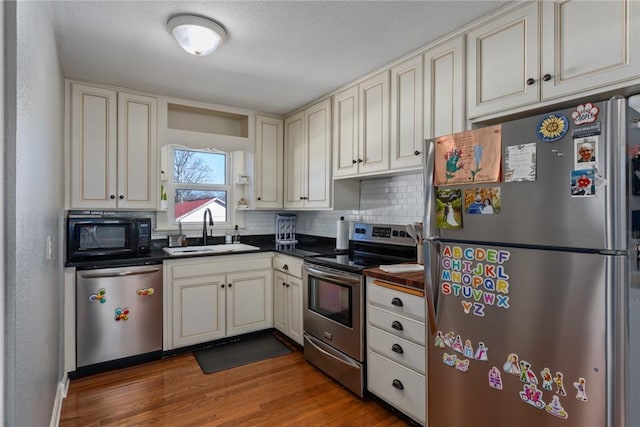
<point>118,273</point>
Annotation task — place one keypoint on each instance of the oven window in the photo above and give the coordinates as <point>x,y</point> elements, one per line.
<point>103,236</point>
<point>331,300</point>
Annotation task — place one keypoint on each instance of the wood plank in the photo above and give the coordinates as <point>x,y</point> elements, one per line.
<point>283,391</point>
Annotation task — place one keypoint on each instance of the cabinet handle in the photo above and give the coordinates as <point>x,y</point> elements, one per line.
<point>112,196</point>
<point>360,160</point>
<point>230,284</point>
<point>546,77</point>
<point>397,302</point>
<point>397,384</point>
<point>397,348</point>
<point>530,81</point>
<point>417,153</point>
<point>354,161</point>
<point>397,325</point>
<point>287,285</point>
<point>285,267</point>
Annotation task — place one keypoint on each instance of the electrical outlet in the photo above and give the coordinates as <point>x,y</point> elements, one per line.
<point>49,247</point>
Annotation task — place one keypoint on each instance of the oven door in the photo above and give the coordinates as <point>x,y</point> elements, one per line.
<point>333,309</point>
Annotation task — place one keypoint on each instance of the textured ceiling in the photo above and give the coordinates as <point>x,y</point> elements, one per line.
<point>279,56</point>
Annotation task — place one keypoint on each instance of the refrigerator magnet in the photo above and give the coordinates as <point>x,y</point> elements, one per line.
<point>585,113</point>
<point>552,127</point>
<point>482,200</point>
<point>531,395</point>
<point>467,351</point>
<point>581,386</point>
<point>457,344</point>
<point>495,378</point>
<point>547,379</point>
<point>439,340</point>
<point>448,339</point>
<point>449,359</point>
<point>526,374</point>
<point>100,296</point>
<point>559,380</point>
<point>555,408</point>
<point>449,208</point>
<point>585,152</point>
<point>583,183</point>
<point>462,365</point>
<point>511,365</point>
<point>482,352</point>
<point>121,314</point>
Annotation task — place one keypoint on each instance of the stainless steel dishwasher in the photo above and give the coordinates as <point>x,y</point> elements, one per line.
<point>119,314</point>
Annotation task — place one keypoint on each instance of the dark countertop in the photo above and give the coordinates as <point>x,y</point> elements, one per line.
<point>307,246</point>
<point>411,280</point>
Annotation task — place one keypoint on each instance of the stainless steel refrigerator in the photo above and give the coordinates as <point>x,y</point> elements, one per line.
<point>532,272</point>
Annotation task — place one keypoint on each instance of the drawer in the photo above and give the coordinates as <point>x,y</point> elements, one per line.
<point>397,349</point>
<point>293,265</point>
<point>383,373</point>
<point>397,325</point>
<point>396,301</point>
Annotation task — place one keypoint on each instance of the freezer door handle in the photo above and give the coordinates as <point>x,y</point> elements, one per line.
<point>117,273</point>
<point>429,280</point>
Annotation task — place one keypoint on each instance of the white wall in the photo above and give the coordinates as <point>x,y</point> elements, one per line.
<point>33,203</point>
<point>388,200</point>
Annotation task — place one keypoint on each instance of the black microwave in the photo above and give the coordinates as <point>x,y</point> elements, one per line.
<point>91,237</point>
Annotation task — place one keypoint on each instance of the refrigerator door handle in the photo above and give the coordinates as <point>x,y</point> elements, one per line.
<point>428,230</point>
<point>429,281</point>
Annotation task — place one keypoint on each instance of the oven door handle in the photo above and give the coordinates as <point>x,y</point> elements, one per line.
<point>355,281</point>
<point>314,342</point>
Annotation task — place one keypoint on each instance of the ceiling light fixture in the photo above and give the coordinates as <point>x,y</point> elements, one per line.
<point>197,35</point>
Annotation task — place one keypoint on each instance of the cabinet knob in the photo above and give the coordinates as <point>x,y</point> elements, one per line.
<point>360,160</point>
<point>112,197</point>
<point>285,267</point>
<point>259,198</point>
<point>230,284</point>
<point>397,384</point>
<point>222,286</point>
<point>417,153</point>
<point>397,325</point>
<point>121,197</point>
<point>530,81</point>
<point>397,302</point>
<point>397,348</point>
<point>354,161</point>
<point>546,77</point>
<point>287,285</point>
<point>284,284</point>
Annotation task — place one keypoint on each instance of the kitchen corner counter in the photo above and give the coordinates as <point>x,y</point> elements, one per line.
<point>410,282</point>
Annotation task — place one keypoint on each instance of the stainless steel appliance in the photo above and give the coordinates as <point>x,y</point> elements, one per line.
<point>119,316</point>
<point>334,299</point>
<point>92,237</point>
<point>531,305</point>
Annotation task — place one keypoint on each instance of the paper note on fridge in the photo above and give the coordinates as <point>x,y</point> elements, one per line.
<point>469,157</point>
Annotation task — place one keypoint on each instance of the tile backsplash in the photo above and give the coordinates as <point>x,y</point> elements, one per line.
<point>386,200</point>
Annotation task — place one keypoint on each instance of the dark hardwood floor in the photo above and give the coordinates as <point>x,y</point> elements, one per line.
<point>283,391</point>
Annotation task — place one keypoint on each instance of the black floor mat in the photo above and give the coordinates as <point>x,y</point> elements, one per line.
<point>238,353</point>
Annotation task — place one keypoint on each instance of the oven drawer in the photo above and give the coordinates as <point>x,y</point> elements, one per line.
<point>399,386</point>
<point>397,349</point>
<point>397,325</point>
<point>395,301</point>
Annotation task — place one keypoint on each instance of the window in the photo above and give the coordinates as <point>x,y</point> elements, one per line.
<point>200,181</point>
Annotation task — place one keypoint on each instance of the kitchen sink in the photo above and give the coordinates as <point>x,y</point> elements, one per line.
<point>210,249</point>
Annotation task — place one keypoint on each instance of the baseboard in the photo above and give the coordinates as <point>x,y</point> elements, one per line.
<point>61,393</point>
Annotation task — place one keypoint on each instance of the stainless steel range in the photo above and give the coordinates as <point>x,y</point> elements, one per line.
<point>334,300</point>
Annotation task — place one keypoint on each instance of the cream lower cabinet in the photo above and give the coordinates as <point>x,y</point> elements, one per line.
<point>396,353</point>
<point>113,151</point>
<point>215,297</point>
<point>287,296</point>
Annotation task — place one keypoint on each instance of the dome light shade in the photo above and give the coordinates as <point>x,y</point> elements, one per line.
<point>197,35</point>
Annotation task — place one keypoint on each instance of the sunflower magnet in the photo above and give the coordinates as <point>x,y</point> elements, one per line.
<point>552,127</point>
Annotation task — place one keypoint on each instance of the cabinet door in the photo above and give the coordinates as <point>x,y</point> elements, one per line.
<point>295,156</point>
<point>93,147</point>
<point>406,114</point>
<point>137,151</point>
<point>249,301</point>
<point>279,301</point>
<point>374,124</point>
<point>269,163</point>
<point>318,163</point>
<point>588,45</point>
<point>294,310</point>
<point>503,63</point>
<point>444,89</point>
<point>345,133</point>
<point>198,310</point>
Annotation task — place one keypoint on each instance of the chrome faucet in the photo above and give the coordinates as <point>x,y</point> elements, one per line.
<point>204,225</point>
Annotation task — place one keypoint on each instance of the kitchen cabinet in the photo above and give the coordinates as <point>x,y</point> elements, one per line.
<point>582,48</point>
<point>406,138</point>
<point>269,163</point>
<point>287,296</point>
<point>113,149</point>
<point>307,172</point>
<point>396,352</point>
<point>215,297</point>
<point>444,94</point>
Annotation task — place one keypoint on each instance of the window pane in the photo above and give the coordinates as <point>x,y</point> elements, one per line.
<point>195,167</point>
<point>191,204</point>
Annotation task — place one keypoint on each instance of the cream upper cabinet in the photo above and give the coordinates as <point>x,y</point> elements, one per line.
<point>113,149</point>
<point>406,138</point>
<point>345,133</point>
<point>373,145</point>
<point>587,45</point>
<point>269,163</point>
<point>308,158</point>
<point>444,95</point>
<point>503,62</point>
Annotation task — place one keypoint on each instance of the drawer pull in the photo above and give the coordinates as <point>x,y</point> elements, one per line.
<point>397,302</point>
<point>397,325</point>
<point>397,384</point>
<point>397,348</point>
